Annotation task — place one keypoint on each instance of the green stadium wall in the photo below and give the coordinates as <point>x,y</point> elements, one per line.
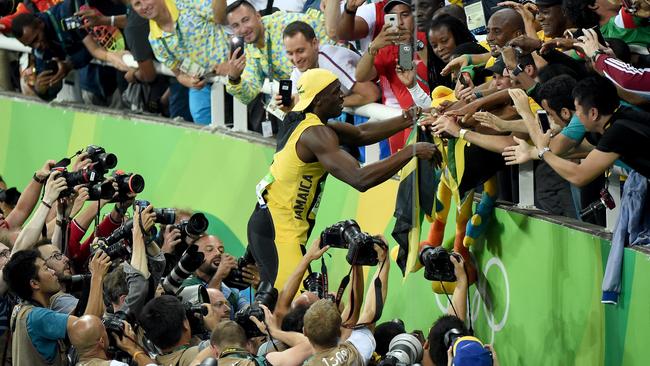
<point>540,282</point>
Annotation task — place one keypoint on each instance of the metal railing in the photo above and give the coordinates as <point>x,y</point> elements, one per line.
<point>373,111</point>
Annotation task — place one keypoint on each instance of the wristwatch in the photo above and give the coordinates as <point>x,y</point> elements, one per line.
<point>371,50</point>
<point>518,70</point>
<point>543,151</point>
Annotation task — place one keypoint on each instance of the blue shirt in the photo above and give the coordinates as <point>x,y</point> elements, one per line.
<point>45,327</point>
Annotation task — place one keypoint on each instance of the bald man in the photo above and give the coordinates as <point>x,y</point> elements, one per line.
<point>503,26</point>
<point>216,266</point>
<point>89,337</point>
<point>219,304</point>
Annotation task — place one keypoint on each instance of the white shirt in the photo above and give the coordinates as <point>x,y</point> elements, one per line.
<point>368,13</point>
<point>339,60</point>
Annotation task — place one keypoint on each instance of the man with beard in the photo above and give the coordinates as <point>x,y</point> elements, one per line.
<point>62,301</point>
<point>215,268</point>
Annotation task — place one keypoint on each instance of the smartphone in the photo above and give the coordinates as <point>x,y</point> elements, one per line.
<point>285,92</point>
<point>51,65</point>
<point>71,23</point>
<point>544,122</point>
<point>405,59</point>
<point>391,19</point>
<point>235,43</point>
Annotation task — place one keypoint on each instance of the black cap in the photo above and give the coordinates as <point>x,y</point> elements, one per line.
<point>390,3</point>
<point>548,2</point>
<point>498,66</point>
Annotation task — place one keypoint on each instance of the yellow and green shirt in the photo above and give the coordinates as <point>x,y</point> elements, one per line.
<point>196,36</point>
<point>257,59</point>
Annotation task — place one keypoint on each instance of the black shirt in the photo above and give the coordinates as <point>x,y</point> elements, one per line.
<point>629,136</point>
<point>137,36</point>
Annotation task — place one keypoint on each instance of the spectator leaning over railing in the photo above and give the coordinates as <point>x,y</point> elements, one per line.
<point>264,56</point>
<point>624,75</point>
<point>56,50</point>
<point>305,52</point>
<point>188,36</point>
<point>380,62</point>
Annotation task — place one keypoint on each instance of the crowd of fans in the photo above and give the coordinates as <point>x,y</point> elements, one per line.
<point>564,83</point>
<point>546,48</point>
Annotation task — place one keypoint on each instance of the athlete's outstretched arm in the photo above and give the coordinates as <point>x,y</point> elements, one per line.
<point>321,143</point>
<point>370,132</point>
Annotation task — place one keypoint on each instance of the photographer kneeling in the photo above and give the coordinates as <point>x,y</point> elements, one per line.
<point>88,335</point>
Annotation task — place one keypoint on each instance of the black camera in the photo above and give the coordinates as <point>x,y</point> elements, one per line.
<point>102,161</point>
<point>267,296</point>
<point>165,216</point>
<point>71,23</point>
<point>75,283</point>
<point>117,250</point>
<point>101,191</point>
<point>189,262</point>
<point>113,322</point>
<point>127,183</point>
<point>315,283</point>
<point>121,233</point>
<point>194,313</point>
<point>605,201</point>
<point>235,278</point>
<point>84,176</point>
<point>437,264</point>
<point>347,235</point>
<point>195,226</point>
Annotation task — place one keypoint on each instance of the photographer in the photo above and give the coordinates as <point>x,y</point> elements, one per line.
<point>79,252</point>
<point>88,335</point>
<point>165,323</point>
<point>215,268</point>
<point>323,324</point>
<point>28,199</point>
<point>37,330</point>
<point>127,287</point>
<point>231,346</point>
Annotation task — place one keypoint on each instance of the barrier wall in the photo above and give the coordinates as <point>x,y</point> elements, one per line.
<point>539,298</point>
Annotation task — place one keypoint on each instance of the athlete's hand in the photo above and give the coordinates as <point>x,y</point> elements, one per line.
<point>428,151</point>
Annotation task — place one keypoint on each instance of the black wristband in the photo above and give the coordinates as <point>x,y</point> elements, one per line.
<point>38,180</point>
<point>348,11</point>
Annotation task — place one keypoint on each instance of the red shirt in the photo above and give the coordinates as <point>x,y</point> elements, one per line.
<point>79,252</point>
<point>385,63</point>
<point>41,5</point>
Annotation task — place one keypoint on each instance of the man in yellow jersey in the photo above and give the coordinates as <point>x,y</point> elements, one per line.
<point>308,149</point>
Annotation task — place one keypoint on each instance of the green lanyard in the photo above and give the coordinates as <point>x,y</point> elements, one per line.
<point>57,30</point>
<point>179,35</point>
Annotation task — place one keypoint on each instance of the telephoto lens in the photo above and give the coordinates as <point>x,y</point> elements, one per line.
<point>404,349</point>
<point>189,262</point>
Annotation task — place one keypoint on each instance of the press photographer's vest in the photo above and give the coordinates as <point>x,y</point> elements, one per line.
<point>181,357</point>
<point>345,354</point>
<point>292,187</point>
<point>236,357</point>
<point>22,349</point>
